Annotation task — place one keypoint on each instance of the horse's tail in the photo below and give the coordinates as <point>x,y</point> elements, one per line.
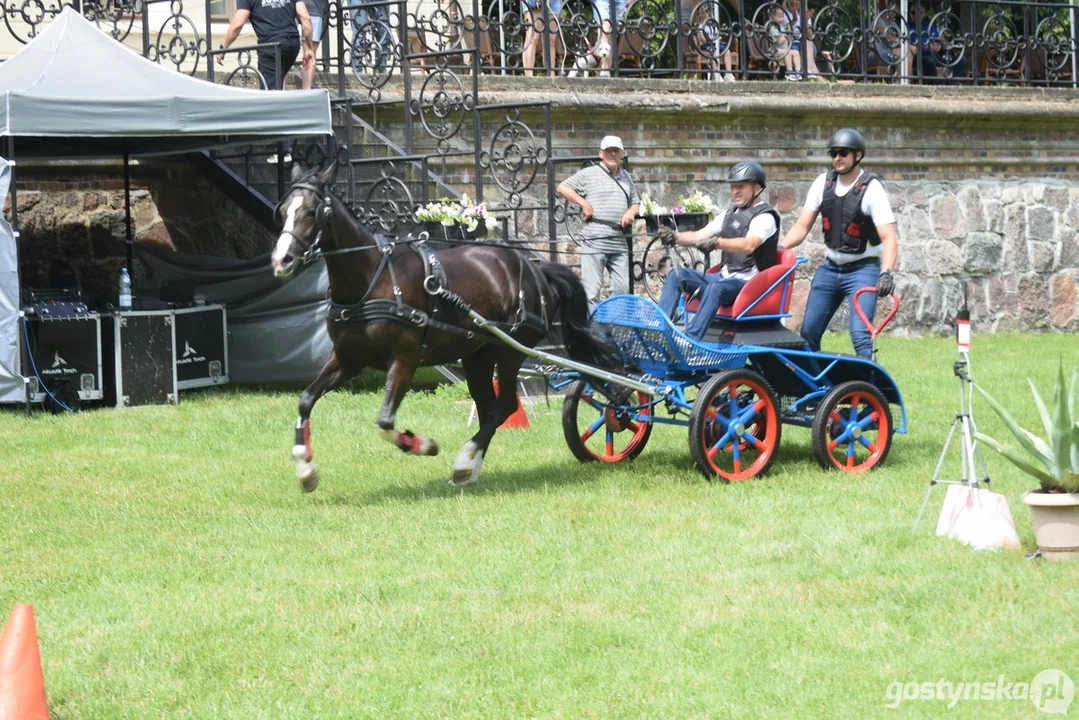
<point>582,344</point>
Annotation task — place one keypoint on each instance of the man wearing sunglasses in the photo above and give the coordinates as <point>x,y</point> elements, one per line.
<point>860,235</point>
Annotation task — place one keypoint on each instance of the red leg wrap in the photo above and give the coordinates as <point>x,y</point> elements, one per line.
<point>409,442</point>
<point>307,440</point>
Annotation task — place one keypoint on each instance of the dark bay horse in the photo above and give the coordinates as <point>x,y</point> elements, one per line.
<point>395,306</point>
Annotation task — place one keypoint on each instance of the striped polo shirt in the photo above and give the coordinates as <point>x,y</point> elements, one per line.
<point>609,203</point>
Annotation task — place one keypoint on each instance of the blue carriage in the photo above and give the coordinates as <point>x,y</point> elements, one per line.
<point>734,390</point>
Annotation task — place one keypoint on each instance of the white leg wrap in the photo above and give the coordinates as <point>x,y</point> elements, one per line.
<point>476,464</point>
<point>465,458</point>
<point>466,470</point>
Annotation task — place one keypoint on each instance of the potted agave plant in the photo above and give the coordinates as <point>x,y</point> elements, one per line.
<point>1054,507</point>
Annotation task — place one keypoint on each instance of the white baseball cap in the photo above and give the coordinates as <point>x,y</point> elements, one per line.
<point>611,141</point>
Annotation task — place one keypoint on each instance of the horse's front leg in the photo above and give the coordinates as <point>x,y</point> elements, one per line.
<point>330,377</point>
<point>398,380</point>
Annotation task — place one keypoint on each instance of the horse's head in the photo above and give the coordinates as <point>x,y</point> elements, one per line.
<point>303,214</point>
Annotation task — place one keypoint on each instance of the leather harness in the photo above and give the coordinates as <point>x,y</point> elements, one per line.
<point>435,286</point>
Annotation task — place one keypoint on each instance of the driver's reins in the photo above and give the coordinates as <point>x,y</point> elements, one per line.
<point>434,283</point>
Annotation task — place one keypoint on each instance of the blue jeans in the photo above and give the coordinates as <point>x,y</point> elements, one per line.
<point>716,290</point>
<point>371,39</point>
<point>831,285</point>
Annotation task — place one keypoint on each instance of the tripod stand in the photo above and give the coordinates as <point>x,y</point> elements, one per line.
<point>973,469</point>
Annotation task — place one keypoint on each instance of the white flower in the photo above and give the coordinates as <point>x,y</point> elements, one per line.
<point>699,202</point>
<point>649,206</point>
<point>453,212</point>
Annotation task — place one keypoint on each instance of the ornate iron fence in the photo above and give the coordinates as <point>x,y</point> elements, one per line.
<point>369,42</point>
<point>961,41</point>
<point>418,64</point>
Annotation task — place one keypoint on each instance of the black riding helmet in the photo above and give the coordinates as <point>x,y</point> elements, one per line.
<point>748,171</point>
<point>848,138</point>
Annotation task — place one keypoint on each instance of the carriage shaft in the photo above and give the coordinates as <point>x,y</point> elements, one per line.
<point>564,362</point>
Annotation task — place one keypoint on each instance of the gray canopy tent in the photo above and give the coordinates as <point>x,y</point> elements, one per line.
<point>75,92</point>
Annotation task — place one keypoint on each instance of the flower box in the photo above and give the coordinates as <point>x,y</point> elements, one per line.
<point>444,237</point>
<point>681,221</point>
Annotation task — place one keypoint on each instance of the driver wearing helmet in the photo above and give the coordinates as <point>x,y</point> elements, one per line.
<point>747,234</point>
<point>860,235</point>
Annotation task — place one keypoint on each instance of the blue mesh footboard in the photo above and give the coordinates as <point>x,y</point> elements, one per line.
<point>649,340</point>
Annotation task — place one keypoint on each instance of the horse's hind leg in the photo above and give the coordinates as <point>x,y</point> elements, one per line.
<point>492,412</point>
<point>332,375</point>
<point>479,370</point>
<point>398,380</point>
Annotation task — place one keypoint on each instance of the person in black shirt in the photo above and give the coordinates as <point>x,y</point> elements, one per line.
<point>274,21</point>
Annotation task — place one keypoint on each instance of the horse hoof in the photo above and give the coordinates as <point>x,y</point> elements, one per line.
<point>307,473</point>
<point>462,477</point>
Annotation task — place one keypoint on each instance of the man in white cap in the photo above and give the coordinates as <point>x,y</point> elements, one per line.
<point>608,200</point>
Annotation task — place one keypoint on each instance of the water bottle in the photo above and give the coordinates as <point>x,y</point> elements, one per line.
<point>125,290</point>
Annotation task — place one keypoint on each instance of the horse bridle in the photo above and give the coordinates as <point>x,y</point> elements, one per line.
<point>323,218</point>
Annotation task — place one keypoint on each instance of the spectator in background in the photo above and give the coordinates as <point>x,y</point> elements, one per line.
<point>932,49</point>
<point>372,39</point>
<point>786,42</point>
<point>709,29</point>
<point>274,22</point>
<point>608,23</point>
<point>792,19</point>
<point>533,26</point>
<point>316,9</point>
<point>609,201</point>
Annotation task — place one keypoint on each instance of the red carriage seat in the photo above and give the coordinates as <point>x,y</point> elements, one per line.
<point>759,297</point>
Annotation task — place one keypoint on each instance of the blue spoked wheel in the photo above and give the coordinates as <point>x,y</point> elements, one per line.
<point>734,428</point>
<point>596,428</point>
<point>852,428</point>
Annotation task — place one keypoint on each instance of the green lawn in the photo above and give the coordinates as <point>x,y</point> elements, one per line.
<point>176,569</point>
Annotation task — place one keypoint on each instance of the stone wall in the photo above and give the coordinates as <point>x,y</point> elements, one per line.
<point>984,181</point>
<point>72,221</point>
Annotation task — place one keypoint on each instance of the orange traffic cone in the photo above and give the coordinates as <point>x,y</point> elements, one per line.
<point>518,420</point>
<point>22,683</point>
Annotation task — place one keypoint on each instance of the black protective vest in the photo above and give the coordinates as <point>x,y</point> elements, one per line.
<point>846,228</point>
<point>737,225</point>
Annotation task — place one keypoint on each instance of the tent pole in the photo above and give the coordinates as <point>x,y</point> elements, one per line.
<point>10,157</point>
<point>129,240</point>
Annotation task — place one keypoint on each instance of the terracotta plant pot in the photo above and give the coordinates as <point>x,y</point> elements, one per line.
<point>1056,523</point>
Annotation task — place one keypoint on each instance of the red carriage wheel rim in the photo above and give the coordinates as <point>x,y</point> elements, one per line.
<point>763,413</point>
<point>639,429</point>
<point>852,405</point>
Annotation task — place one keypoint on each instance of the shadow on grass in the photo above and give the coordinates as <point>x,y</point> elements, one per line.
<point>522,480</point>
<point>491,482</point>
<point>662,466</point>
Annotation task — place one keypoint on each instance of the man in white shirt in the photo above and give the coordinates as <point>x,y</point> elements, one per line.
<point>747,234</point>
<point>860,233</point>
